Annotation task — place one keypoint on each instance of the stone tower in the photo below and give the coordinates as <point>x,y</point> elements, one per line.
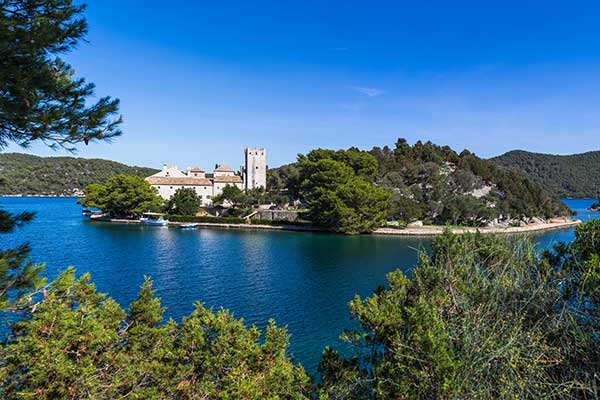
<point>255,168</point>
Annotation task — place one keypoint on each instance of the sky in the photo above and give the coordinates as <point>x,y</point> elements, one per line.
<point>201,80</point>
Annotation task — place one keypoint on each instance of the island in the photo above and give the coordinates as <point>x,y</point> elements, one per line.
<point>420,189</point>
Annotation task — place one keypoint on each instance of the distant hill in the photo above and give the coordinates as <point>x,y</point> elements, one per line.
<point>576,175</point>
<point>31,175</point>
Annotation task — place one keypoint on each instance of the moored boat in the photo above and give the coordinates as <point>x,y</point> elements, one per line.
<point>189,226</point>
<point>155,219</point>
<point>86,212</point>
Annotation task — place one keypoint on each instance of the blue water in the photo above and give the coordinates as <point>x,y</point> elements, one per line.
<point>302,280</point>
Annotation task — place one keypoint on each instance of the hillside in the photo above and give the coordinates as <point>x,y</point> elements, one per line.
<point>436,185</point>
<point>31,175</point>
<point>576,175</point>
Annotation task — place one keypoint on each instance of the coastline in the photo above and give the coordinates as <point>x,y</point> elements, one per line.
<point>438,230</point>
<point>428,230</point>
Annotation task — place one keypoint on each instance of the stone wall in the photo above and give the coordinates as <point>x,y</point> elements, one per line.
<point>280,215</point>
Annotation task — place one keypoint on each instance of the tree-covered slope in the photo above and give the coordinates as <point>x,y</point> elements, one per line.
<point>31,175</point>
<point>576,175</point>
<point>434,184</point>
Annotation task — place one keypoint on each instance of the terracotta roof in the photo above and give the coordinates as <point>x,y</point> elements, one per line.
<point>223,168</point>
<point>228,179</point>
<point>196,169</point>
<point>185,181</point>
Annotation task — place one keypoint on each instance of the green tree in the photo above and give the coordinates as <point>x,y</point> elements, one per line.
<point>337,198</point>
<point>80,344</point>
<point>40,99</point>
<point>351,208</point>
<point>233,195</point>
<point>123,196</point>
<point>481,317</point>
<point>184,201</point>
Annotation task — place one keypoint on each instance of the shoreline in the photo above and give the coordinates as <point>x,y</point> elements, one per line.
<point>427,230</point>
<point>432,230</point>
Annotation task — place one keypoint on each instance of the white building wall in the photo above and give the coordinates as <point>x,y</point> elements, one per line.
<point>205,192</point>
<point>255,168</point>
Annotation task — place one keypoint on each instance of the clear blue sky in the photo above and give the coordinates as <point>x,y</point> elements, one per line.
<point>200,80</point>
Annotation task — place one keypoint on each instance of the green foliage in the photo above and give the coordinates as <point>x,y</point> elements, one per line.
<point>235,220</point>
<point>184,201</point>
<point>31,175</point>
<point>284,179</point>
<point>122,196</point>
<point>40,99</point>
<point>80,344</point>
<point>18,278</point>
<point>426,182</point>
<point>234,195</point>
<point>481,317</point>
<point>576,175</point>
<point>246,199</point>
<point>339,199</point>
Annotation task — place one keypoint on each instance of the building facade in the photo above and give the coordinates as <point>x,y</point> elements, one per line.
<point>254,170</point>
<point>206,186</point>
<point>253,174</point>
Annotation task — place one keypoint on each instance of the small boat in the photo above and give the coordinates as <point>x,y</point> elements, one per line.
<point>154,219</point>
<point>188,226</point>
<point>86,212</point>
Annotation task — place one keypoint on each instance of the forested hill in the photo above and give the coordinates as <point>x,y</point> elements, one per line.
<point>576,175</point>
<point>31,175</point>
<point>434,184</point>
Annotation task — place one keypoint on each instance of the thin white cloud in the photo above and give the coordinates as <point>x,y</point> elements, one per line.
<point>367,91</point>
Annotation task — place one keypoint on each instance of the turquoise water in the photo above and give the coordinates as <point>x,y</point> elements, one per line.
<point>302,280</point>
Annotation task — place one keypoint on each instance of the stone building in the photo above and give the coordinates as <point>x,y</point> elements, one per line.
<point>207,185</point>
<point>254,170</point>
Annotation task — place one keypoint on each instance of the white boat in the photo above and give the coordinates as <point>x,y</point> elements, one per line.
<point>86,212</point>
<point>189,226</point>
<point>155,219</point>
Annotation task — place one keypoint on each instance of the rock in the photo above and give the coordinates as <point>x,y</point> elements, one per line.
<point>536,220</point>
<point>415,224</point>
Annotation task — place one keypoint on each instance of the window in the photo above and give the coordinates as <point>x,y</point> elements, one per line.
<point>171,187</point>
<point>208,196</point>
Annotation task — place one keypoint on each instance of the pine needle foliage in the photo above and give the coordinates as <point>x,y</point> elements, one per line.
<point>481,317</point>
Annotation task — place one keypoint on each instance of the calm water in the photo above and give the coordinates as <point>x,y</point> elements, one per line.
<point>301,280</point>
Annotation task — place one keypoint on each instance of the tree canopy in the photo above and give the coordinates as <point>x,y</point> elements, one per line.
<point>122,196</point>
<point>481,317</point>
<point>337,193</point>
<point>576,175</point>
<point>41,100</point>
<point>184,201</point>
<point>27,174</point>
<point>40,97</point>
<point>426,182</point>
<point>80,344</point>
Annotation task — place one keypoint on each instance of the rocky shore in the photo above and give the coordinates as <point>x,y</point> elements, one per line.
<point>432,230</point>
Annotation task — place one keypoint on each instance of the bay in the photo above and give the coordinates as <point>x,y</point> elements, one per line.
<point>302,280</point>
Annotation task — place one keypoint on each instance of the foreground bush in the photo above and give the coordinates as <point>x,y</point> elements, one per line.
<point>79,344</point>
<point>481,318</point>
